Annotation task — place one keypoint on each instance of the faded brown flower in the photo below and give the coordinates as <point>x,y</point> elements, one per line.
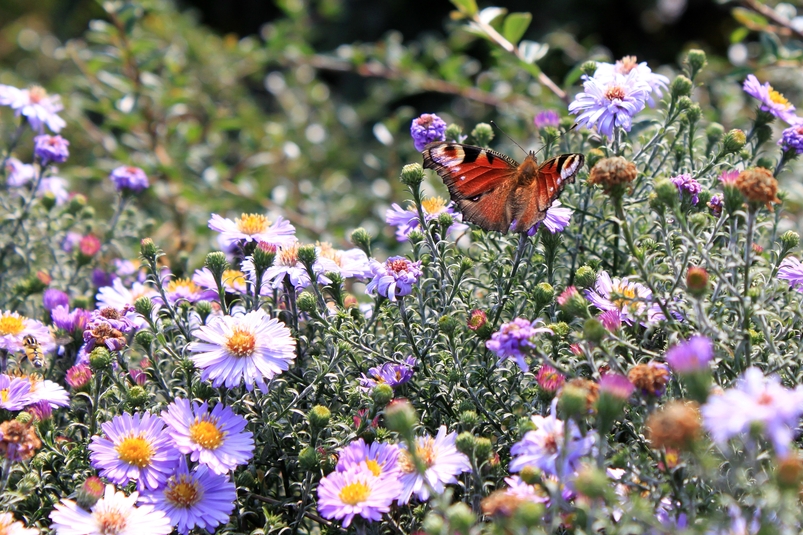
<point>675,426</point>
<point>18,441</point>
<point>613,174</point>
<point>650,378</point>
<point>759,186</point>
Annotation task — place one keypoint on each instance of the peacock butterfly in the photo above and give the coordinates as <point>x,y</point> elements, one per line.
<point>494,191</point>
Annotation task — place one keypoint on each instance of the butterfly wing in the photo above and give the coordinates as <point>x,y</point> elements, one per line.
<point>538,190</point>
<point>480,181</point>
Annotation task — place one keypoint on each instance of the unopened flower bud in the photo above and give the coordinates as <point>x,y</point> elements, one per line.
<point>136,397</point>
<point>453,132</point>
<point>306,302</point>
<point>693,113</point>
<point>589,68</point>
<point>543,294</point>
<point>382,394</point>
<point>144,339</point>
<point>666,192</point>
<point>400,416</point>
<point>530,475</point>
<point>469,419</point>
<point>148,249</point>
<point>264,256</point>
<point>697,281</point>
<point>733,141</point>
<point>307,255</point>
<point>76,204</point>
<point>594,155</point>
<point>412,175</point>
<point>684,103</point>
<point>460,518</point>
<point>572,303</point>
<point>573,401</point>
<point>433,524</point>
<point>447,324</point>
<point>144,306</point>
<point>790,239</point>
<point>203,308</point>
<point>592,482</point>
<point>585,277</point>
<point>594,331</point>
<point>48,200</point>
<point>560,330</point>
<point>100,359</point>
<point>681,86</point>
<point>362,239</point>
<point>217,263</point>
<point>309,459</point>
<point>714,132</point>
<point>483,448</point>
<point>319,417</point>
<point>24,417</point>
<point>696,60</point>
<point>445,220</point>
<point>465,443</point>
<point>90,492</point>
<point>483,133</point>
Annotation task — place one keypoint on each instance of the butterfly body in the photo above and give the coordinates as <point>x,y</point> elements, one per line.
<point>494,191</point>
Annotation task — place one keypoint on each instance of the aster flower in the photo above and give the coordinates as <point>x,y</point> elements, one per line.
<point>630,299</point>
<point>691,356</point>
<point>216,439</point>
<point>18,441</point>
<point>8,526</point>
<point>129,179</point>
<point>755,399</point>
<point>547,449</point>
<point>380,458</point>
<point>715,205</point>
<point>427,128</point>
<point>14,328</point>
<point>253,227</point>
<point>356,492</point>
<point>108,327</point>
<point>616,386</point>
<point>353,263</point>
<point>792,139</point>
<point>557,219</point>
<point>249,348</point>
<point>525,491</point>
<point>477,319</point>
<point>728,177</point>
<point>407,221</point>
<point>686,184</point>
<point>610,103</point>
<point>234,281</point>
<point>443,463</point>
<point>70,322</point>
<point>51,298</point>
<point>546,118</point>
<point>394,278</point>
<point>51,149</point>
<point>549,379</point>
<point>657,82</point>
<point>35,105</point>
<point>514,339</point>
<point>79,376</point>
<point>390,373</point>
<point>134,448</point>
<point>18,173</point>
<point>14,392</point>
<point>611,319</point>
<point>771,100</point>
<point>114,514</point>
<point>198,499</point>
<point>650,379</point>
<point>47,391</point>
<point>792,270</point>
<point>288,266</point>
<point>186,290</point>
<point>41,411</point>
<point>55,185</point>
<point>118,295</point>
<point>129,271</point>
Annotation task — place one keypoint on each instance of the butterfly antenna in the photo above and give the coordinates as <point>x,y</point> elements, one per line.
<point>507,136</point>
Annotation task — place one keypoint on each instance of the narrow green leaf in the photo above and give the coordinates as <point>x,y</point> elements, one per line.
<point>466,7</point>
<point>515,25</point>
<point>738,35</point>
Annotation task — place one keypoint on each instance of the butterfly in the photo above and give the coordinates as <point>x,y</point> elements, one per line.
<point>494,191</point>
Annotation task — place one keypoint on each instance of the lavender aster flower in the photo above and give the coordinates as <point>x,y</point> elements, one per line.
<point>14,328</point>
<point>631,299</point>
<point>792,270</point>
<point>51,298</point>
<point>216,439</point>
<point>356,492</point>
<point>426,129</point>
<point>55,185</point>
<point>686,184</point>
<point>14,392</point>
<point>792,139</point>
<point>253,227</point>
<point>47,391</point>
<point>407,221</point>
<point>35,105</point>
<point>691,356</point>
<point>771,100</point>
<point>288,266</point>
<point>546,118</point>
<point>50,149</point>
<point>389,373</point>
<point>134,448</point>
<point>514,339</point>
<point>129,178</point>
<point>715,205</point>
<point>71,322</point>
<point>629,64</point>
<point>380,458</point>
<point>443,463</point>
<point>395,278</point>
<point>610,104</point>
<point>557,219</point>
<point>18,173</point>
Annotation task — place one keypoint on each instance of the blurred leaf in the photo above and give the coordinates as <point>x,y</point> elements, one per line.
<point>466,7</point>
<point>532,51</point>
<point>490,14</point>
<point>739,34</point>
<point>748,18</point>
<point>515,26</point>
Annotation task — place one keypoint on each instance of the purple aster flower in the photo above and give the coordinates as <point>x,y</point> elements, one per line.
<point>389,373</point>
<point>629,64</point>
<point>71,322</point>
<point>547,449</point>
<point>14,392</point>
<point>630,299</point>
<point>100,278</point>
<point>108,326</point>
<point>35,105</point>
<point>792,270</point>
<point>514,339</point>
<point>771,100</point>
<point>134,448</point>
<point>50,149</point>
<point>715,205</point>
<point>56,186</point>
<point>557,219</point>
<point>253,227</point>
<point>611,319</point>
<point>216,439</point>
<point>792,139</point>
<point>198,499</point>
<point>686,184</point>
<point>18,173</point>
<point>51,298</point>
<point>78,376</point>
<point>185,290</point>
<point>443,463</point>
<point>129,178</point>
<point>615,385</point>
<point>755,400</point>
<point>691,356</point>
<point>356,492</point>
<point>407,221</point>
<point>546,118</point>
<point>426,129</point>
<point>612,103</point>
<point>41,410</point>
<point>139,377</point>
<point>47,391</point>
<point>395,278</point>
<point>380,458</point>
<point>249,348</point>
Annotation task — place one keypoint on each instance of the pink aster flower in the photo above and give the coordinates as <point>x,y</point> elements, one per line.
<point>14,328</point>
<point>253,227</point>
<point>610,103</point>
<point>546,118</point>
<point>407,221</point>
<point>134,448</point>
<point>35,105</point>
<point>18,173</point>
<point>249,348</point>
<point>394,278</point>
<point>515,339</point>
<point>550,379</point>
<point>728,177</point>
<point>356,492</point>
<point>216,439</point>
<point>691,355</point>
<point>771,100</point>
<point>8,526</point>
<point>443,463</point>
<point>114,514</point>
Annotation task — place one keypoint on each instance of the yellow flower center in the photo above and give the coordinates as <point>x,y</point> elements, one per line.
<point>622,296</point>
<point>11,324</point>
<point>4,399</point>
<point>288,256</point>
<point>374,467</point>
<point>327,251</point>
<point>425,451</point>
<point>434,205</point>
<point>778,98</point>
<point>135,450</point>
<point>615,92</point>
<point>355,493</point>
<point>626,64</point>
<point>184,492</point>
<point>36,94</point>
<point>241,343</point>
<point>206,434</point>
<point>110,522</point>
<point>232,277</point>
<point>252,223</point>
<point>176,285</point>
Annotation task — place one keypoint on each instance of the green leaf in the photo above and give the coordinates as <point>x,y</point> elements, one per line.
<point>532,51</point>
<point>747,17</point>
<point>738,35</point>
<point>466,7</point>
<point>515,25</point>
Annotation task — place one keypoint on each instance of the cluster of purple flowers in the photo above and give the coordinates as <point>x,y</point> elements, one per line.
<point>394,278</point>
<point>426,129</point>
<point>390,373</point>
<point>24,392</point>
<point>150,450</point>
<point>689,186</point>
<point>515,339</point>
